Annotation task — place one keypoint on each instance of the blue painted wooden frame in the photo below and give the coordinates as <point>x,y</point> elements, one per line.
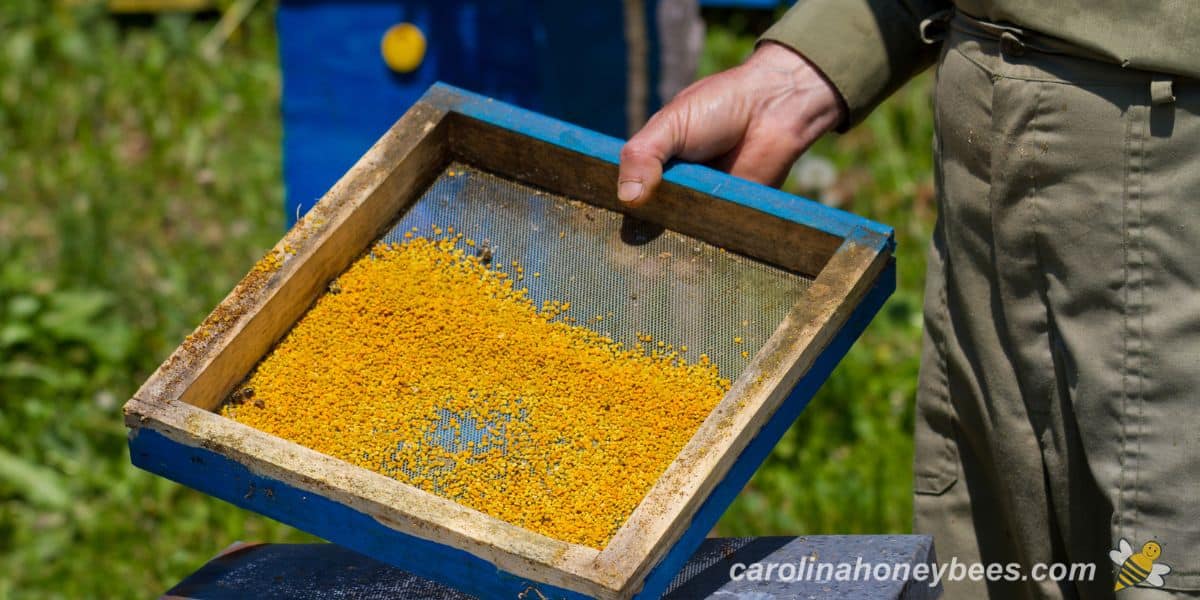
<point>598,146</point>
<point>232,482</point>
<point>198,465</point>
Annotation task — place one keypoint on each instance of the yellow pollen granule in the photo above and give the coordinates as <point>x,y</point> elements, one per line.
<point>430,367</point>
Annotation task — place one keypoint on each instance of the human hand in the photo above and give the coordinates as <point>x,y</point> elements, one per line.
<point>753,121</point>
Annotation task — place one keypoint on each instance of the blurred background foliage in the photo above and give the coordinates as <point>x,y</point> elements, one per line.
<point>140,180</point>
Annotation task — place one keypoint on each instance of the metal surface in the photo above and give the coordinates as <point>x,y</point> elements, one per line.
<point>679,290</point>
<point>303,571</point>
<point>707,573</point>
<point>622,279</point>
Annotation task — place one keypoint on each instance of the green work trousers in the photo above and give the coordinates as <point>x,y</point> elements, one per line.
<point>1058,410</point>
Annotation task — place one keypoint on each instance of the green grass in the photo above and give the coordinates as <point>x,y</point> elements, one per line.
<point>138,181</point>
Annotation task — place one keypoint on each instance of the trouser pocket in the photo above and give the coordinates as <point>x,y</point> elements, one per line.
<point>935,466</point>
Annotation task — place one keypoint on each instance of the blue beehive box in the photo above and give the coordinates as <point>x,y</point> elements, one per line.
<point>564,59</point>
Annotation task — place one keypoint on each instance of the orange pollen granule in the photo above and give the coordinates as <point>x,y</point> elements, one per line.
<point>425,364</point>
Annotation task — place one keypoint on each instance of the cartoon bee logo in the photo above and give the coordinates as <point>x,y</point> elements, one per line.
<point>1138,569</point>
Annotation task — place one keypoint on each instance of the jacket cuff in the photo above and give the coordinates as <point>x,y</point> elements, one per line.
<point>865,48</point>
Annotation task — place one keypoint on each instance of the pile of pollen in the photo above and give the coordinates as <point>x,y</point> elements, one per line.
<point>426,364</point>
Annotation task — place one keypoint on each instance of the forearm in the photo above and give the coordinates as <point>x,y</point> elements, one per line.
<point>865,48</point>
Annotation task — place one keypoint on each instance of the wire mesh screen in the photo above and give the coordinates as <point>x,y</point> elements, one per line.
<point>621,278</point>
<point>436,412</point>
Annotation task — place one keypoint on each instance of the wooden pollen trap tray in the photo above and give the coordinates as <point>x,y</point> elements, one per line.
<point>711,259</point>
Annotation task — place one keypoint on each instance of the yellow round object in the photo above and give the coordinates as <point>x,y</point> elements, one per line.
<point>403,47</point>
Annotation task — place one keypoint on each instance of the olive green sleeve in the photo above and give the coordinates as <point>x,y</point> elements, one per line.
<point>866,48</point>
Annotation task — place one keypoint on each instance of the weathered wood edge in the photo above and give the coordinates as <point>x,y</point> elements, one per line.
<point>401,507</point>
<point>735,227</point>
<point>662,517</point>
<point>706,517</point>
<point>195,379</point>
<point>269,299</point>
<point>767,200</point>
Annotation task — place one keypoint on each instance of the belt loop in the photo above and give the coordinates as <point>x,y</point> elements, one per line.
<point>1161,89</point>
<point>1011,44</point>
<point>935,26</point>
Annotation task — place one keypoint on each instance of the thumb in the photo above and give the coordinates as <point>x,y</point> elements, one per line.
<point>642,160</point>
